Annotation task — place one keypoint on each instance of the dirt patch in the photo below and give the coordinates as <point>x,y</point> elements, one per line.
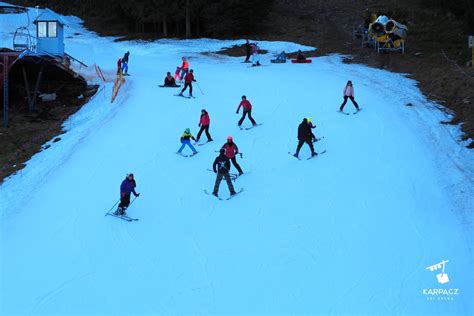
<point>29,130</point>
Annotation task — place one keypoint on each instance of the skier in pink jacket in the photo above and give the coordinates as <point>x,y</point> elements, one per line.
<point>348,93</point>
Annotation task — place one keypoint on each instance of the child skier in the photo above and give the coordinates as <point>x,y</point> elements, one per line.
<point>126,189</point>
<point>184,67</point>
<point>125,63</point>
<point>256,57</point>
<point>247,110</point>
<point>176,74</point>
<point>348,92</point>
<point>305,135</point>
<point>221,166</point>
<point>204,122</point>
<point>186,140</point>
<point>231,150</point>
<point>188,82</point>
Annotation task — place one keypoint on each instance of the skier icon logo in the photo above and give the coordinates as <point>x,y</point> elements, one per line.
<point>443,276</point>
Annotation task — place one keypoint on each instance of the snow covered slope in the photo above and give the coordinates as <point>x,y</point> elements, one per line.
<point>349,232</point>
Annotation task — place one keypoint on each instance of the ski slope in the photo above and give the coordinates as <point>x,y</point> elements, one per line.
<point>350,232</point>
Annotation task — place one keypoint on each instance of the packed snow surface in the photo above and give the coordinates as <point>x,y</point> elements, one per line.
<point>348,232</point>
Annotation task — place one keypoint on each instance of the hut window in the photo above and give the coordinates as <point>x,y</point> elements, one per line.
<point>47,29</point>
<point>42,29</point>
<point>52,29</point>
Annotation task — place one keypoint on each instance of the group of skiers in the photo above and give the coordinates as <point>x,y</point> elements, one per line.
<point>229,151</point>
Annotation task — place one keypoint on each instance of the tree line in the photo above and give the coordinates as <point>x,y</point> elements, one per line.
<point>166,18</point>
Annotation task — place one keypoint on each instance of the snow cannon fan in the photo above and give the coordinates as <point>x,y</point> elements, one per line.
<point>395,28</point>
<point>378,27</point>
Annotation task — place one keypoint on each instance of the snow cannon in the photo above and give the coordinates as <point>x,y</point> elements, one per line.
<point>395,28</point>
<point>378,27</point>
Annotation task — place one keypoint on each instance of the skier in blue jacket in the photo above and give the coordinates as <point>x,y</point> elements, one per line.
<point>126,189</point>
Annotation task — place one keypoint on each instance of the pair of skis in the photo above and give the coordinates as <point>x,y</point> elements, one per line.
<point>187,156</point>
<point>124,217</point>
<point>317,154</point>
<point>247,128</point>
<point>185,96</point>
<point>345,113</point>
<point>227,199</point>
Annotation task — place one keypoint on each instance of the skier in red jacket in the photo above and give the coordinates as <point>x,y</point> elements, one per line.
<point>204,122</point>
<point>231,150</point>
<point>247,110</point>
<point>188,82</point>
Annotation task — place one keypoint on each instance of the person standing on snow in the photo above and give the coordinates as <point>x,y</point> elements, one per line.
<point>348,92</point>
<point>305,135</point>
<point>231,150</point>
<point>125,63</point>
<point>247,110</point>
<point>188,82</point>
<point>256,57</point>
<point>176,74</point>
<point>221,166</point>
<point>119,66</point>
<point>186,140</point>
<point>126,189</point>
<point>248,51</point>
<point>184,67</point>
<point>204,123</point>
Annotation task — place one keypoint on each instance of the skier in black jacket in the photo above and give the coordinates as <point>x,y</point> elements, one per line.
<point>248,51</point>
<point>305,135</point>
<point>221,166</point>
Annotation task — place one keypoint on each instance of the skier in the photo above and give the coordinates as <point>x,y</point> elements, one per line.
<point>348,92</point>
<point>169,80</point>
<point>256,57</point>
<point>188,82</point>
<point>204,122</point>
<point>119,66</point>
<point>184,67</point>
<point>221,166</point>
<point>248,51</point>
<point>176,74</point>
<point>300,56</point>
<point>247,110</point>
<point>126,189</point>
<point>125,63</point>
<point>305,135</point>
<point>231,150</point>
<point>186,140</point>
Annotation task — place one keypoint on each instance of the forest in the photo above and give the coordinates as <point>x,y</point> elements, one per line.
<point>165,18</point>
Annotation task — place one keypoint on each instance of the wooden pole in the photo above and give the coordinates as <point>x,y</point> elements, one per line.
<point>36,87</point>
<point>6,68</point>
<point>27,86</point>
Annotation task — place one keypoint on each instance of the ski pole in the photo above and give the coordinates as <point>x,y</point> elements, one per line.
<point>112,208</point>
<point>132,202</point>
<point>199,88</point>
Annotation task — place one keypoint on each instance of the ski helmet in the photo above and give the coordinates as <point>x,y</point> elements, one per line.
<point>187,130</point>
<point>308,119</point>
<point>222,151</point>
<point>229,138</point>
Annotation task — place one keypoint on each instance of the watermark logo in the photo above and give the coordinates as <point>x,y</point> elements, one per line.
<point>440,293</point>
<point>443,276</point>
